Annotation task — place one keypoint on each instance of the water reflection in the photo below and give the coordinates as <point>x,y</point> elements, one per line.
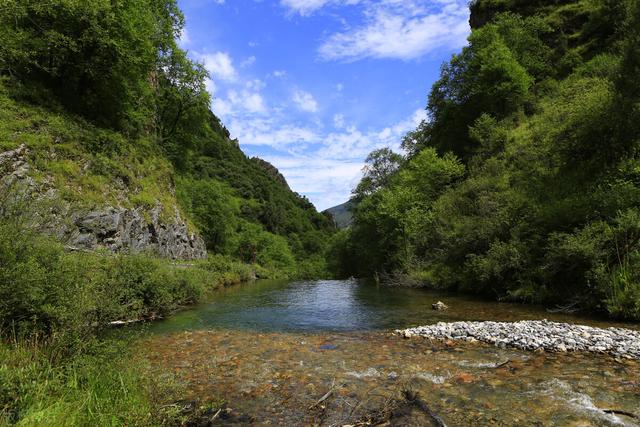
<point>273,349</point>
<point>342,306</point>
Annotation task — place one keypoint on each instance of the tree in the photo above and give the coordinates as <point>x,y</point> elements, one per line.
<point>379,167</point>
<point>485,77</point>
<point>97,57</point>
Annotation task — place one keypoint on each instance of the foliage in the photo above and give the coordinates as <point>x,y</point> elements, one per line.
<point>95,56</point>
<point>524,183</point>
<point>147,137</point>
<point>379,167</point>
<point>104,385</point>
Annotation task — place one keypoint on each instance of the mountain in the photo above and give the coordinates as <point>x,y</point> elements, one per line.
<point>341,214</point>
<point>106,130</point>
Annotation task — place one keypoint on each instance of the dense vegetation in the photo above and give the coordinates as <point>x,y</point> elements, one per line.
<point>523,184</point>
<point>113,113</point>
<point>104,85</point>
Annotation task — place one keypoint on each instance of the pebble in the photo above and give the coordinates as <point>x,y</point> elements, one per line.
<point>536,335</point>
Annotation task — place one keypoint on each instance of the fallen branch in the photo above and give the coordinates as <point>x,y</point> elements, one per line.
<point>620,412</point>
<point>500,365</point>
<point>325,397</point>
<point>569,308</point>
<point>215,416</point>
<point>132,321</point>
<point>414,398</point>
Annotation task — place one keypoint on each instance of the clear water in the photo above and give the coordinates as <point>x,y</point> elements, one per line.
<point>345,305</point>
<point>271,350</point>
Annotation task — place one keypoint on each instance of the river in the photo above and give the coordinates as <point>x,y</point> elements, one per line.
<point>322,353</point>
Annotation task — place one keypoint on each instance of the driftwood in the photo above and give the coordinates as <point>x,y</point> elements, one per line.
<point>325,396</point>
<point>414,399</point>
<point>569,308</point>
<point>620,412</point>
<point>215,416</point>
<point>118,323</point>
<point>500,365</point>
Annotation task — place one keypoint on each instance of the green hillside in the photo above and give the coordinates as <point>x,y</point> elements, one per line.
<point>122,198</point>
<point>341,215</point>
<point>115,118</point>
<point>523,184</point>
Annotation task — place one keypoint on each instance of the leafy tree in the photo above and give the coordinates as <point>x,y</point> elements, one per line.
<point>485,78</point>
<point>379,167</point>
<point>97,57</point>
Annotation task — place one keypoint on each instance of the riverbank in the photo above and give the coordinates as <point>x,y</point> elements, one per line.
<point>536,335</point>
<point>56,365</point>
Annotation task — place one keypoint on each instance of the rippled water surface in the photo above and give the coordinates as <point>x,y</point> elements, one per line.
<point>321,353</point>
<point>348,305</point>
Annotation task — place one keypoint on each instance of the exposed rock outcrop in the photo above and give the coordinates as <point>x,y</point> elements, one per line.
<point>271,170</point>
<point>134,230</point>
<point>13,167</point>
<point>116,229</point>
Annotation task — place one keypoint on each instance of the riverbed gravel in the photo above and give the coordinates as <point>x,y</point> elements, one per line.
<point>536,335</point>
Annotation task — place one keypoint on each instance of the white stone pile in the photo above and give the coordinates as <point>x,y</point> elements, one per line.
<point>536,335</point>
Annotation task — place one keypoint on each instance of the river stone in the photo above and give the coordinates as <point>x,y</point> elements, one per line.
<point>439,306</point>
<point>537,335</point>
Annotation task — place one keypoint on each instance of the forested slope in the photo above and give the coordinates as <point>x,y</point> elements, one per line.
<point>523,184</point>
<point>113,122</point>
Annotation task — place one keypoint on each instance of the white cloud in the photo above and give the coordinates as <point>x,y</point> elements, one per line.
<point>305,101</point>
<point>219,65</point>
<point>255,84</point>
<point>338,121</point>
<point>327,182</point>
<point>401,29</point>
<point>183,39</point>
<point>272,133</point>
<point>339,87</point>
<point>304,7</point>
<point>324,166</point>
<point>245,102</point>
<point>248,62</point>
<point>279,73</point>
<point>307,7</point>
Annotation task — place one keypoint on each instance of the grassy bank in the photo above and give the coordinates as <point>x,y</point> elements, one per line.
<point>54,367</point>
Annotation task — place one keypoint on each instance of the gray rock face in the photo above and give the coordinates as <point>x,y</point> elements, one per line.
<point>117,229</point>
<point>13,167</point>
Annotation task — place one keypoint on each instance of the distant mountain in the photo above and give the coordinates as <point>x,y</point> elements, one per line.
<point>342,215</point>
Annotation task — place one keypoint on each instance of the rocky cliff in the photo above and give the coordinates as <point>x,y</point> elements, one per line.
<point>115,228</point>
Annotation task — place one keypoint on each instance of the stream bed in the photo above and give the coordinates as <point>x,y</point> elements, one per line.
<point>322,353</point>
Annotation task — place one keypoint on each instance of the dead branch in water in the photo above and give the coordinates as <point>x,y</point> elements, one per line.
<point>619,412</point>
<point>326,395</point>
<point>414,398</point>
<point>500,365</point>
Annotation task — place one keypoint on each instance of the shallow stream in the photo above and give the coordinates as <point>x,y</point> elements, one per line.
<point>322,353</point>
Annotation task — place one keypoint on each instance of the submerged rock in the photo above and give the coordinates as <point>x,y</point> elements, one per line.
<point>439,306</point>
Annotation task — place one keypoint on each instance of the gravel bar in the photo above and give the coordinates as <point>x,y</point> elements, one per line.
<point>536,335</point>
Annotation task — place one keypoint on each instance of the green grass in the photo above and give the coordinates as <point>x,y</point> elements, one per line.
<point>89,166</point>
<point>103,386</point>
<point>56,368</point>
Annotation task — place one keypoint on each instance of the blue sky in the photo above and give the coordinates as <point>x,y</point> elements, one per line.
<point>313,86</point>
